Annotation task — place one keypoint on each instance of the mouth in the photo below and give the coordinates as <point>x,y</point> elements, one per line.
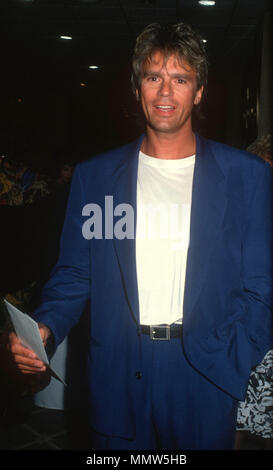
<point>165,108</point>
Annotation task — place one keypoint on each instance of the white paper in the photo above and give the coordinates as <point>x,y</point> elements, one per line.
<point>28,333</point>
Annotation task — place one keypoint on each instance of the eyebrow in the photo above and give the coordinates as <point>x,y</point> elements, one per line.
<point>185,76</point>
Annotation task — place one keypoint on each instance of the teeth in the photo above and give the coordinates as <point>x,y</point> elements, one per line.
<point>165,107</point>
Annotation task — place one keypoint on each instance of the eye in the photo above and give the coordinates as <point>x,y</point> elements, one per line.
<point>152,78</point>
<point>181,81</point>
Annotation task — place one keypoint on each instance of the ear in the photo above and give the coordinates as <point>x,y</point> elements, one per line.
<point>137,95</point>
<point>198,95</point>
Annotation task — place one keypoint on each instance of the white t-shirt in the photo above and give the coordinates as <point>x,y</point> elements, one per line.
<point>164,191</point>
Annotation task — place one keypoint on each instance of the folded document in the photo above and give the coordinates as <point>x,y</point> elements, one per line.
<point>28,333</point>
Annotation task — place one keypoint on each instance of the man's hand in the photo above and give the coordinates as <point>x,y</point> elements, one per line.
<point>23,358</point>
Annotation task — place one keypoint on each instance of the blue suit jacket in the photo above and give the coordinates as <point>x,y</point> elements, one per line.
<point>228,292</point>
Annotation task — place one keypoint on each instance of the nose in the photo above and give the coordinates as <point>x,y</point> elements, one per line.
<point>165,88</point>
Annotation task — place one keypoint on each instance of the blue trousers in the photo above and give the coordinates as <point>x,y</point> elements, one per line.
<point>176,407</point>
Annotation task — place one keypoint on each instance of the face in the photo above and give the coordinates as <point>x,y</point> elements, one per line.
<point>168,92</point>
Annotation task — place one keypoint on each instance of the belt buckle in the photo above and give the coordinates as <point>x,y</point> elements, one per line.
<point>154,331</point>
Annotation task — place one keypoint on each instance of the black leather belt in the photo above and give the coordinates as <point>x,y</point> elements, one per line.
<point>163,332</point>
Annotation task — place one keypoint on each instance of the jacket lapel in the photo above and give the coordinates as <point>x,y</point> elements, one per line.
<point>124,192</point>
<point>207,213</point>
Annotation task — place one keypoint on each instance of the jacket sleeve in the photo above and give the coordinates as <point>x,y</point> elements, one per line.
<point>65,295</point>
<point>257,258</point>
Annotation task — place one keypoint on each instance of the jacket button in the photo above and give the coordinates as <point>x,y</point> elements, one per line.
<point>138,375</point>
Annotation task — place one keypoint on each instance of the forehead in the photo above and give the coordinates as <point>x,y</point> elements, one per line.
<point>160,60</point>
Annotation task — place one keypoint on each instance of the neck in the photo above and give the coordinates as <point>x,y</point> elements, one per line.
<point>168,146</point>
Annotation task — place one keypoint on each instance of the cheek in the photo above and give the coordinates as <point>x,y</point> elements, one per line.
<point>147,95</point>
<point>145,101</point>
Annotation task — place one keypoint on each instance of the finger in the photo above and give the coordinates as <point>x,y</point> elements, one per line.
<point>16,347</point>
<point>13,338</point>
<point>19,350</point>
<point>30,370</point>
<point>28,362</point>
<point>34,369</point>
<point>44,332</point>
<point>14,342</point>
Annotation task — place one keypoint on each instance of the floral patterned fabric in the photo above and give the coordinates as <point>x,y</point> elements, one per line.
<point>255,414</point>
<point>27,201</point>
<point>20,185</point>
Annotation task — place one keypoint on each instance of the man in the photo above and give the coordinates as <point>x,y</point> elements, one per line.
<point>181,304</point>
